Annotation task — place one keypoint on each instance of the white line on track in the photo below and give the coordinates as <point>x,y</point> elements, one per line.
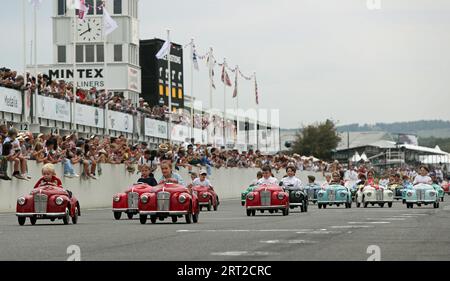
<point>287,242</point>
<point>241,230</point>
<point>243,253</point>
<point>388,219</point>
<point>319,231</point>
<point>415,214</point>
<point>373,222</point>
<point>351,226</point>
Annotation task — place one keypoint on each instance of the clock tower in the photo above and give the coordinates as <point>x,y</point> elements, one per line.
<point>121,51</point>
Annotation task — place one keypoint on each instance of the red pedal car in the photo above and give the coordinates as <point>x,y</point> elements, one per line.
<point>446,187</point>
<point>48,202</point>
<point>168,200</point>
<point>267,197</point>
<point>207,197</point>
<point>127,202</point>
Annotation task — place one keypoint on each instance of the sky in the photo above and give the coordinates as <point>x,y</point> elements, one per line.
<point>315,59</point>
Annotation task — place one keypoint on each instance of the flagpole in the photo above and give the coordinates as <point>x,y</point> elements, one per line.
<point>75,82</point>
<point>105,77</point>
<point>224,103</point>
<point>192,87</point>
<point>24,34</point>
<point>35,56</point>
<point>257,117</point>
<point>237,108</point>
<point>170,88</point>
<point>210,66</point>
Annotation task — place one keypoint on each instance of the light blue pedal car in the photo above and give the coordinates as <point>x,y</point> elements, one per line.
<point>334,195</point>
<point>421,194</point>
<point>312,189</point>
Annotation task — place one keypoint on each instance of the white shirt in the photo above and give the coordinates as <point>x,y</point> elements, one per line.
<point>198,182</point>
<point>153,164</point>
<point>270,180</point>
<point>351,175</point>
<point>422,179</point>
<point>292,183</point>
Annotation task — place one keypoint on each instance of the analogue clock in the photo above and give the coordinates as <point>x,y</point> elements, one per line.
<point>90,30</point>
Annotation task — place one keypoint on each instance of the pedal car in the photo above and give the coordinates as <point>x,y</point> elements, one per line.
<point>48,202</point>
<point>168,200</point>
<point>421,194</point>
<point>397,189</point>
<point>127,202</point>
<point>446,187</point>
<point>374,194</point>
<point>334,194</point>
<point>207,197</point>
<point>267,197</point>
<point>297,198</point>
<point>311,191</point>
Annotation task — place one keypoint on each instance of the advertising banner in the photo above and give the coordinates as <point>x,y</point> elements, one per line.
<point>53,109</point>
<point>10,101</point>
<point>180,133</point>
<point>89,116</point>
<point>120,122</point>
<point>155,128</point>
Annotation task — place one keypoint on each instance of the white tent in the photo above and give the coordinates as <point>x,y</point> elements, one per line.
<point>435,159</point>
<point>356,157</point>
<point>364,157</point>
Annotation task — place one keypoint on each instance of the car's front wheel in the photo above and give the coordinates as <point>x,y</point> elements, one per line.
<point>153,219</point>
<point>117,215</point>
<point>319,205</point>
<point>209,205</point>
<point>381,205</point>
<point>286,211</point>
<point>33,220</point>
<point>21,220</point>
<point>75,216</point>
<point>249,212</point>
<point>66,218</point>
<point>390,204</point>
<point>130,216</point>
<point>188,218</point>
<point>143,219</point>
<point>174,219</point>
<point>195,218</point>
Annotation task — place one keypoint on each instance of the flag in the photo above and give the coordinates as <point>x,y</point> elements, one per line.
<point>256,92</point>
<point>194,59</point>
<point>165,50</point>
<point>211,62</point>
<point>225,78</point>
<point>35,3</point>
<point>109,24</point>
<point>235,91</point>
<point>82,9</point>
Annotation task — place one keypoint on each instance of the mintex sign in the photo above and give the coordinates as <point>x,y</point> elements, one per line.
<point>87,77</point>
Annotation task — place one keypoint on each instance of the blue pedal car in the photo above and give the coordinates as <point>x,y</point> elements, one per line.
<point>312,190</point>
<point>334,195</point>
<point>440,191</point>
<point>421,194</point>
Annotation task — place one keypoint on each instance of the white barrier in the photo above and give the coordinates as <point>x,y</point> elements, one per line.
<point>114,178</point>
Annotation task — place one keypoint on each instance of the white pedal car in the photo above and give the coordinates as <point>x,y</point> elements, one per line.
<point>374,195</point>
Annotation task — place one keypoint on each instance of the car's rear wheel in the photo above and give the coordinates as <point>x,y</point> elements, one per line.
<point>117,215</point>
<point>130,216</point>
<point>390,204</point>
<point>174,219</point>
<point>243,203</point>
<point>324,206</point>
<point>358,205</point>
<point>249,212</point>
<point>419,205</point>
<point>188,218</point>
<point>262,211</point>
<point>66,217</point>
<point>216,205</point>
<point>253,213</point>
<point>195,218</point>
<point>75,216</point>
<point>436,205</point>
<point>366,204</point>
<point>209,205</point>
<point>143,219</point>
<point>271,211</point>
<point>21,220</point>
<point>319,205</point>
<point>286,212</point>
<point>381,205</point>
<point>33,220</point>
<point>305,203</point>
<point>442,199</point>
<point>153,219</point>
<point>337,205</point>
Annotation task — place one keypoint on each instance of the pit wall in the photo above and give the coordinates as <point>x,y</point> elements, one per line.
<point>98,193</point>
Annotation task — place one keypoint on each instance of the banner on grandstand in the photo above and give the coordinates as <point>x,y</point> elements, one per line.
<point>155,128</point>
<point>53,109</point>
<point>11,101</point>
<point>89,116</point>
<point>180,133</point>
<point>200,136</point>
<point>120,122</point>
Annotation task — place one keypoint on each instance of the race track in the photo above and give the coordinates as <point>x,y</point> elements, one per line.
<point>228,234</point>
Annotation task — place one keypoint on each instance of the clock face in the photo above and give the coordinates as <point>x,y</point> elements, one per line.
<point>90,30</point>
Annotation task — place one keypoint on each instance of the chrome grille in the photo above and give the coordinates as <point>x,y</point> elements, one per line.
<point>163,201</point>
<point>265,198</point>
<point>311,193</point>
<point>420,194</point>
<point>40,203</point>
<point>133,198</point>
<point>331,195</point>
<point>379,195</point>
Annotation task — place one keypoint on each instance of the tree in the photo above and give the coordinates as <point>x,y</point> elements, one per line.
<point>318,140</point>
